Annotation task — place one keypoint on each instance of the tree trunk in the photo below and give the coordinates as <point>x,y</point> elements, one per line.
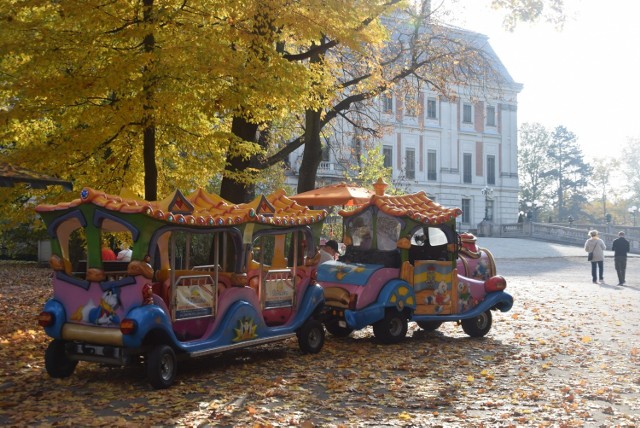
<point>150,167</point>
<point>149,138</point>
<point>312,155</point>
<point>230,189</point>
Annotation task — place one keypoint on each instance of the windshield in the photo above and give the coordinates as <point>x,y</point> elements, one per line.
<point>360,229</point>
<point>388,231</point>
<point>433,237</point>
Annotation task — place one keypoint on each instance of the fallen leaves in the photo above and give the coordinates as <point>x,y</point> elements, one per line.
<point>558,359</point>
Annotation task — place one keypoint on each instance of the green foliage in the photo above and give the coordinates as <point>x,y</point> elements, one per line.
<point>569,171</point>
<point>367,168</point>
<point>533,163</point>
<point>605,172</point>
<point>551,11</point>
<point>21,242</point>
<point>630,167</point>
<point>552,171</point>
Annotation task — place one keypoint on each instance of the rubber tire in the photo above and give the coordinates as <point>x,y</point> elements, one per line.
<point>478,326</point>
<point>337,331</point>
<point>429,325</point>
<point>311,336</point>
<point>56,361</point>
<point>162,366</point>
<point>392,328</point>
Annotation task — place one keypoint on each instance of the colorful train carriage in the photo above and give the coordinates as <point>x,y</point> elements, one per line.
<point>205,276</point>
<point>402,263</point>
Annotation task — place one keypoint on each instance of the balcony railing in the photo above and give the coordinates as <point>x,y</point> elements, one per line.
<point>330,169</point>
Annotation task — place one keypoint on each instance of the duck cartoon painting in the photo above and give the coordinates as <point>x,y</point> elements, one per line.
<point>105,313</point>
<point>102,314</point>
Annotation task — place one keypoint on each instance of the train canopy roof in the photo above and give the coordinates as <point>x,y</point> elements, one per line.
<point>334,194</point>
<point>417,206</point>
<point>200,208</point>
<point>11,174</point>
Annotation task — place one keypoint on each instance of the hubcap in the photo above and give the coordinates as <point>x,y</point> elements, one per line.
<point>314,337</point>
<point>481,321</point>
<point>166,367</point>
<point>395,326</point>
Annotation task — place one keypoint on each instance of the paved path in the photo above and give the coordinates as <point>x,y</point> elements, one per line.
<point>515,248</point>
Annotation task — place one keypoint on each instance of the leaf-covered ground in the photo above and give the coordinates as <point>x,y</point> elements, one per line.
<point>567,354</point>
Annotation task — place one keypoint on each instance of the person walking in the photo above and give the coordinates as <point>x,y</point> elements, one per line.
<point>620,248</point>
<point>596,247</point>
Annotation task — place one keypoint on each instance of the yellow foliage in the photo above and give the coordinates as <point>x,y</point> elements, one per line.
<point>82,81</point>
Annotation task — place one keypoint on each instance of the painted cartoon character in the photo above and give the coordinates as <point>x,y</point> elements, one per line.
<point>481,271</point>
<point>147,294</point>
<point>343,270</point>
<point>441,294</point>
<point>104,313</point>
<point>464,297</point>
<point>440,297</point>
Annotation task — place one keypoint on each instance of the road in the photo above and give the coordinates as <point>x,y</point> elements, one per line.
<point>585,338</point>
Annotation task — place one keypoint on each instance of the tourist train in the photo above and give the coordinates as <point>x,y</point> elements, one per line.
<point>208,276</point>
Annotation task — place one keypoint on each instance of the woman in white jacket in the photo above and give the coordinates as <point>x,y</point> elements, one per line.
<point>596,246</point>
<point>125,253</point>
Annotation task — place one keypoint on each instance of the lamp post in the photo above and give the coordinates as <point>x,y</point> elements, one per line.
<point>634,212</point>
<point>487,192</point>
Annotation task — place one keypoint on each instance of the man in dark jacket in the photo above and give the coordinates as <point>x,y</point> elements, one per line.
<point>620,248</point>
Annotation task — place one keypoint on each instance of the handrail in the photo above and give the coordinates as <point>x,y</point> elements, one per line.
<point>560,234</point>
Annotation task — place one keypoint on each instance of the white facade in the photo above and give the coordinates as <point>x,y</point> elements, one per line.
<point>461,151</point>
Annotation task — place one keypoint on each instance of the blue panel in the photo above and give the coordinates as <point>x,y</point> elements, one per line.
<point>352,273</point>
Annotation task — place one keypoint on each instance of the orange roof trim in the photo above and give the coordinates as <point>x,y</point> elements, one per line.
<point>201,208</point>
<point>416,206</point>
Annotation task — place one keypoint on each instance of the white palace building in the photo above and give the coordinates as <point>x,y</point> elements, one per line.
<point>460,150</point>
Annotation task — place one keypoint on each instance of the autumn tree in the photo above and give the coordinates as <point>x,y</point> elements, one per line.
<point>357,30</point>
<point>102,91</point>
<point>419,52</point>
<point>280,39</point>
<point>143,95</point>
<point>151,95</point>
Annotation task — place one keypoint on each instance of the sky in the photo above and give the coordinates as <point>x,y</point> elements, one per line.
<point>585,77</point>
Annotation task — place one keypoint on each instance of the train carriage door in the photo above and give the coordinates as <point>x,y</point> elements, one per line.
<point>434,274</point>
<point>277,285</point>
<point>435,284</point>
